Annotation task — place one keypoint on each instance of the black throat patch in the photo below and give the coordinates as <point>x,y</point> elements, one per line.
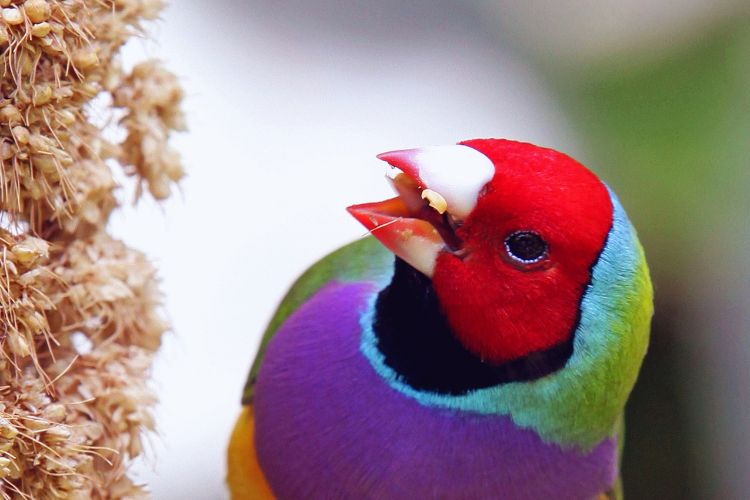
<point>414,337</point>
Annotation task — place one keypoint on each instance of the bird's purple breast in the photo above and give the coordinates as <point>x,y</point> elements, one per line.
<point>328,426</point>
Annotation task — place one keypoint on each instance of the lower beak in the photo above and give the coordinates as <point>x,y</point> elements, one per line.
<point>416,241</point>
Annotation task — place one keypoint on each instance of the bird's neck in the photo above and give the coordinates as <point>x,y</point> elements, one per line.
<point>417,342</point>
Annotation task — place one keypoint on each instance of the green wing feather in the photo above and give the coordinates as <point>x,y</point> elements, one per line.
<point>364,259</point>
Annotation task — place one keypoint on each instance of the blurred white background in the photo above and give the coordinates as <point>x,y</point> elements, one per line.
<point>287,108</point>
<point>287,105</point>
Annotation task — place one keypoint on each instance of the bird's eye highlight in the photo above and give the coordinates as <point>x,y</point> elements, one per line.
<point>526,247</point>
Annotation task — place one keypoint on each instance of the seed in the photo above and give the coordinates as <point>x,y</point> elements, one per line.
<point>54,412</point>
<point>25,254</point>
<point>42,95</point>
<point>10,114</point>
<point>7,150</point>
<point>37,10</point>
<point>7,431</point>
<point>26,63</point>
<point>21,134</point>
<point>35,322</point>
<point>18,344</point>
<point>57,433</point>
<point>45,163</point>
<point>41,30</point>
<point>66,117</point>
<point>88,89</point>
<point>12,16</point>
<point>435,200</point>
<point>85,59</point>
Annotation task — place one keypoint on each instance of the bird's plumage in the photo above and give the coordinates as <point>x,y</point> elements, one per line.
<point>245,476</point>
<point>337,406</point>
<point>364,259</point>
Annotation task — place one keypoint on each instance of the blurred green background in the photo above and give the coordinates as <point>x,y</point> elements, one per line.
<point>672,132</point>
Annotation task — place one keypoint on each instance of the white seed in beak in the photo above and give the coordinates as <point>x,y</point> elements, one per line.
<point>435,200</point>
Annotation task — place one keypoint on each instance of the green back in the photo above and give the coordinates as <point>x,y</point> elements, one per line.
<point>364,259</point>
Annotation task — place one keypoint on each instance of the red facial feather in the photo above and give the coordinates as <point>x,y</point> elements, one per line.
<point>503,310</point>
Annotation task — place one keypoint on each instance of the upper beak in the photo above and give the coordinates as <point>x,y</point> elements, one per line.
<point>439,187</point>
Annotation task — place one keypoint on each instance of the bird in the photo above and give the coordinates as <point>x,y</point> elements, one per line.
<point>480,342</point>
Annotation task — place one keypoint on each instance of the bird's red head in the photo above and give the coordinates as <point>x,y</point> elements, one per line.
<point>508,232</point>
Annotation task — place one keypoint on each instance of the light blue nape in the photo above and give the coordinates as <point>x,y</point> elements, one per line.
<point>598,345</point>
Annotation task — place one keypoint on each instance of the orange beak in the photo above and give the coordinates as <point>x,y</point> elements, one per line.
<point>438,188</point>
<point>414,240</point>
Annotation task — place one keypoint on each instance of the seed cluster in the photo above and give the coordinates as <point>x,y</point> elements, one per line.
<point>79,310</point>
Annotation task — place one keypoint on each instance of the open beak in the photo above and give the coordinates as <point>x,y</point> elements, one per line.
<point>437,188</point>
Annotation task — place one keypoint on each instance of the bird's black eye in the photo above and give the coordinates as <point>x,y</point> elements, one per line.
<point>526,247</point>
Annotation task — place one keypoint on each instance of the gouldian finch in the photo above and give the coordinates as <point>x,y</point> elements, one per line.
<point>481,344</point>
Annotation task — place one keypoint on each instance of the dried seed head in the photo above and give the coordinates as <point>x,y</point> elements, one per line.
<point>70,417</point>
